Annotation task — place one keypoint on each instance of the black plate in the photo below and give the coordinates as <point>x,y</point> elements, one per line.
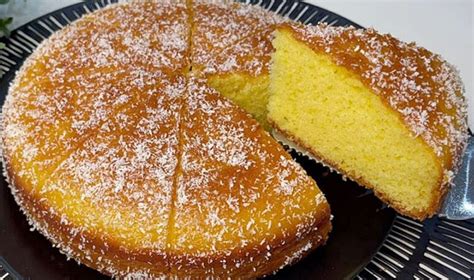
<point>361,222</point>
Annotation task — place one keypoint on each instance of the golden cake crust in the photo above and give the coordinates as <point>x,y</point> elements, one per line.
<point>231,38</point>
<point>106,183</point>
<point>95,251</point>
<point>263,208</point>
<point>233,50</point>
<point>422,88</point>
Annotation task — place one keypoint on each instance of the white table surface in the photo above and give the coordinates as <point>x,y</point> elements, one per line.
<point>442,26</point>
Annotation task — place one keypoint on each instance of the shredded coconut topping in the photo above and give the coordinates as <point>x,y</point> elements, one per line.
<point>231,38</point>
<point>131,167</point>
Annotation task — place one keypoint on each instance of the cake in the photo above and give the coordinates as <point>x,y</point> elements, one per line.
<point>85,66</point>
<point>131,165</point>
<point>231,48</point>
<point>134,140</point>
<point>386,114</point>
<point>268,214</point>
<point>234,52</point>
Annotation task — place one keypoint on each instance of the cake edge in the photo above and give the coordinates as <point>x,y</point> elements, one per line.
<point>311,153</point>
<point>281,255</point>
<point>40,219</point>
<point>48,224</point>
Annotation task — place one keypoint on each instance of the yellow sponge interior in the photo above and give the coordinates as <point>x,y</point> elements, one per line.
<point>248,92</point>
<point>327,108</point>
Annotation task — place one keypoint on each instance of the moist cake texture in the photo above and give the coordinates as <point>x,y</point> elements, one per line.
<point>231,47</point>
<point>387,114</point>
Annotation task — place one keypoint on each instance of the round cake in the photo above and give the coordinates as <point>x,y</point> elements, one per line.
<point>132,166</point>
<point>129,137</point>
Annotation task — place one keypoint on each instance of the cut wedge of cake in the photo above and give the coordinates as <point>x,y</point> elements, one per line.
<point>85,66</point>
<point>108,204</point>
<point>243,207</point>
<point>231,47</point>
<point>389,115</point>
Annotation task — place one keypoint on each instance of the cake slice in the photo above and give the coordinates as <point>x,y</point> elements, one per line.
<point>218,25</point>
<point>108,203</point>
<point>241,73</point>
<point>79,76</point>
<point>231,47</point>
<point>386,114</point>
<point>243,207</point>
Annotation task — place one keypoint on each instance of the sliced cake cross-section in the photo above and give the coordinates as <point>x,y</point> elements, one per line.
<point>387,114</point>
<point>231,47</point>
